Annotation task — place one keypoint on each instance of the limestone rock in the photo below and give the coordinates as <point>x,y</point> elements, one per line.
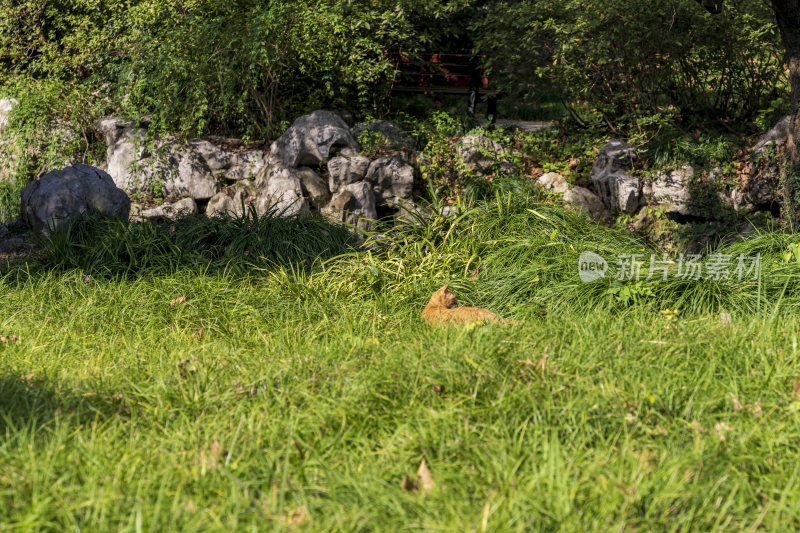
<point>343,171</point>
<point>235,201</point>
<point>179,168</point>
<point>354,204</point>
<point>280,191</point>
<point>777,136</point>
<point>314,188</point>
<point>171,211</point>
<point>612,178</point>
<point>391,178</point>
<point>311,139</point>
<point>554,182</point>
<point>6,106</point>
<point>483,155</point>
<point>670,190</point>
<point>62,195</point>
<point>585,201</point>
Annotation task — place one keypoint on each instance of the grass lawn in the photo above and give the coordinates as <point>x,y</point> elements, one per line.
<point>186,389</point>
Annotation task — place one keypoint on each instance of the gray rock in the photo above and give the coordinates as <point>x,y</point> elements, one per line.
<point>171,211</point>
<point>124,142</point>
<point>6,106</point>
<point>385,134</point>
<point>354,204</point>
<point>182,168</point>
<point>234,202</point>
<point>314,187</point>
<point>670,190</point>
<point>585,201</point>
<point>311,139</point>
<point>554,182</point>
<point>391,179</point>
<point>762,187</point>
<point>280,191</point>
<point>617,187</point>
<point>343,171</point>
<point>62,195</point>
<point>777,136</point>
<point>482,155</point>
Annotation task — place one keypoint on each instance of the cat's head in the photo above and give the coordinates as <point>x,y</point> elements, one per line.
<point>444,297</point>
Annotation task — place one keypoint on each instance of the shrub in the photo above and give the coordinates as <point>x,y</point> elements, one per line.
<point>641,58</point>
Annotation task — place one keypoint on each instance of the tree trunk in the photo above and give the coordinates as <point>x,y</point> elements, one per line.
<point>787,14</point>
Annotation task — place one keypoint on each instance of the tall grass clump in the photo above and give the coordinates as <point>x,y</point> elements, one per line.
<point>112,247</point>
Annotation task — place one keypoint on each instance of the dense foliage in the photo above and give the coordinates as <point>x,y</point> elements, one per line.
<point>639,61</point>
<point>246,66</point>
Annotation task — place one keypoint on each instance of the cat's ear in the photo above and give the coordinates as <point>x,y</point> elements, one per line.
<point>446,287</point>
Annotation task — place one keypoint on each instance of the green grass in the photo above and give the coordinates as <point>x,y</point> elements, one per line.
<point>178,388</point>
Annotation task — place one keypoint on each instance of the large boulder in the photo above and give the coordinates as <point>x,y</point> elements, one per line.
<point>62,195</point>
<point>354,204</point>
<point>312,139</point>
<point>177,168</point>
<point>611,174</point>
<point>391,179</point>
<point>343,171</point>
<point>482,155</point>
<point>280,191</point>
<point>670,190</point>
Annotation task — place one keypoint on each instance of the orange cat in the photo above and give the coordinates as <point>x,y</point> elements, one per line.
<point>443,309</point>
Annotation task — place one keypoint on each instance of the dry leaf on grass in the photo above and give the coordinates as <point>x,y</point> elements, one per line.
<point>177,301</point>
<point>5,339</point>
<point>737,405</point>
<point>212,459</point>
<point>298,516</point>
<point>424,477</point>
<point>423,481</point>
<point>796,390</point>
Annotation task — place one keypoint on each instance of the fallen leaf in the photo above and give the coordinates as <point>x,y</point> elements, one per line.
<point>737,405</point>
<point>796,390</point>
<point>28,378</point>
<point>190,506</point>
<point>424,478</point>
<point>177,301</point>
<point>298,516</point>
<point>756,408</point>
<point>541,364</point>
<point>408,484</point>
<point>172,229</point>
<point>5,339</point>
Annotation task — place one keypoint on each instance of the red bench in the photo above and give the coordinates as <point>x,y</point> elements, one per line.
<point>451,74</point>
